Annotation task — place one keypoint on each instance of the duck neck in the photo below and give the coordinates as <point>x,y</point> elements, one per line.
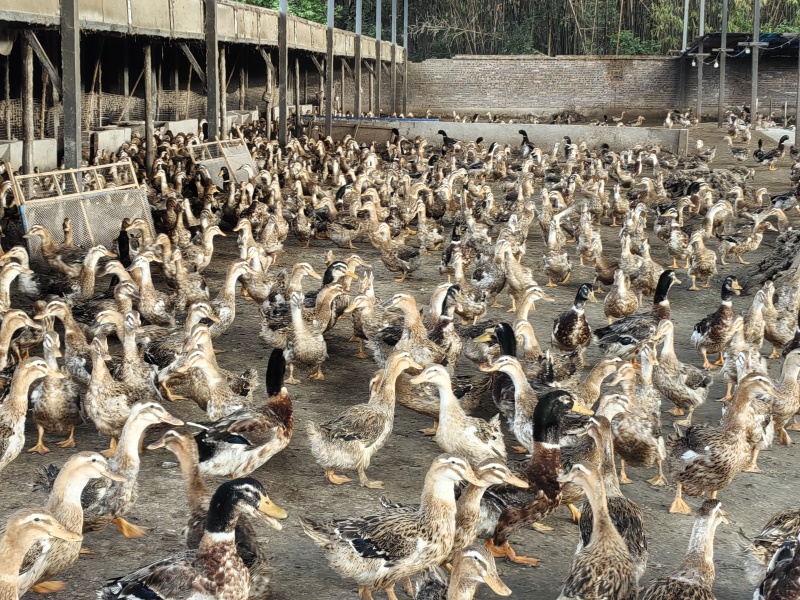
<point>668,349</point>
<point>698,564</point>
<point>7,332</point>
<point>525,307</point>
<point>17,400</point>
<point>67,489</point>
<point>196,489</point>
<point>228,291</point>
<point>126,457</point>
<point>521,385</point>
<point>448,403</point>
<point>86,279</point>
<point>602,526</point>
<point>438,502</point>
<point>387,391</point>
<point>13,547</point>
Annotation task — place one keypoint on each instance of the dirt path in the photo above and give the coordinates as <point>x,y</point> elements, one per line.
<point>295,482</point>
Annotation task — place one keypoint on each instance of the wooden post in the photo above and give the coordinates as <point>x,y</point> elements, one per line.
<point>212,70</point>
<point>341,94</point>
<point>297,120</point>
<point>283,70</point>
<point>7,97</point>
<point>242,88</point>
<point>149,120</point>
<point>71,82</point>
<point>28,131</point>
<point>329,66</point>
<point>722,56</point>
<point>357,63</point>
<point>223,102</point>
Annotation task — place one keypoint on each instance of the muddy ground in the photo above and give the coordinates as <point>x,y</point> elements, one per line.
<point>295,482</point>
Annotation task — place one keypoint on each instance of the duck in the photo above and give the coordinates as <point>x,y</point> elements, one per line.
<point>350,440</point>
<point>107,402</point>
<point>627,517</point>
<point>491,275</point>
<point>54,399</point>
<point>22,530</point>
<point>77,356</point>
<point>706,458</point>
<point>214,570</point>
<point>414,337</point>
<point>603,568</point>
<point>683,384</point>
<point>621,301</point>
<point>48,558</point>
<point>516,507</point>
<point>740,244</point>
<point>224,304</point>
<point>781,580</point>
<point>471,567</point>
<point>571,330</point>
<point>757,552</point>
<point>779,325</point>
<point>381,550</point>
<point>244,440</point>
<point>624,335</point>
<point>63,260</point>
<point>702,261</point>
<point>470,437</point>
<point>714,332</point>
<point>14,405</point>
<point>209,387</point>
<point>637,428</point>
<point>695,578</point>
<point>738,154</point>
<point>306,346</point>
<point>396,256</point>
<point>249,548</point>
<point>769,158</point>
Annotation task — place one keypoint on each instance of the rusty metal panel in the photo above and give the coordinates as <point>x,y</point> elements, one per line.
<point>226,22</point>
<point>188,18</point>
<point>150,15</point>
<point>268,27</point>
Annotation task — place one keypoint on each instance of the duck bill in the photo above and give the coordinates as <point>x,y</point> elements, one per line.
<point>592,297</point>
<point>736,287</point>
<point>350,309</point>
<point>269,512</point>
<point>490,368</point>
<point>496,584</point>
<point>470,477</point>
<point>419,379</point>
<point>516,481</point>
<point>351,275</point>
<point>55,374</point>
<point>159,443</point>
<point>314,274</point>
<point>581,409</point>
<point>412,364</point>
<point>112,476</point>
<point>484,338</point>
<point>62,533</point>
<point>170,420</point>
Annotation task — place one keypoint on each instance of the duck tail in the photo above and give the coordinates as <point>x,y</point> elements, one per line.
<point>45,478</point>
<point>316,531</point>
<point>754,557</point>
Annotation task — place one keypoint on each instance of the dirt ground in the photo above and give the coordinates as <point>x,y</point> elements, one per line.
<point>296,483</point>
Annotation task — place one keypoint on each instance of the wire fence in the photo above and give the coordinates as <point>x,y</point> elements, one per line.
<point>103,110</point>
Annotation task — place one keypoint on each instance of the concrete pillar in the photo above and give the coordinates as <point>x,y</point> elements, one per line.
<point>329,74</point>
<point>298,121</point>
<point>223,96</point>
<point>378,74</point>
<point>71,82</point>
<point>405,57</point>
<point>283,70</point>
<point>357,68</point>
<point>393,78</point>
<point>212,70</point>
<point>754,66</point>
<point>722,56</point>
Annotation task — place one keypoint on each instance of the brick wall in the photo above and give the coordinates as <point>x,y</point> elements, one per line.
<point>592,85</point>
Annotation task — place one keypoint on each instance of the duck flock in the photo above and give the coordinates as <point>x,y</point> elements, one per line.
<point>110,339</point>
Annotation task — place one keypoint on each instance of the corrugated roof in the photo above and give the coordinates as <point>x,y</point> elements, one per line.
<point>780,45</point>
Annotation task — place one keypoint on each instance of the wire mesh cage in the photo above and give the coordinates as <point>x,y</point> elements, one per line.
<point>95,199</point>
<point>231,154</point>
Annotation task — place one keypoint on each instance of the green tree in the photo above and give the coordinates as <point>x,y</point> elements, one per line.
<point>630,45</point>
<point>313,10</point>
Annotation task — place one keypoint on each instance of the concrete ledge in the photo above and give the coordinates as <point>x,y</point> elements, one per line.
<point>544,136</point>
<point>110,139</point>
<point>181,126</point>
<point>45,153</point>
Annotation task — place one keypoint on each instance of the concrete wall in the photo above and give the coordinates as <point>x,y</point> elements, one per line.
<point>44,153</point>
<point>543,136</point>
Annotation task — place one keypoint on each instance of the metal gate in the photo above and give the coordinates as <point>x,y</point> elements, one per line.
<point>232,154</point>
<point>95,199</point>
